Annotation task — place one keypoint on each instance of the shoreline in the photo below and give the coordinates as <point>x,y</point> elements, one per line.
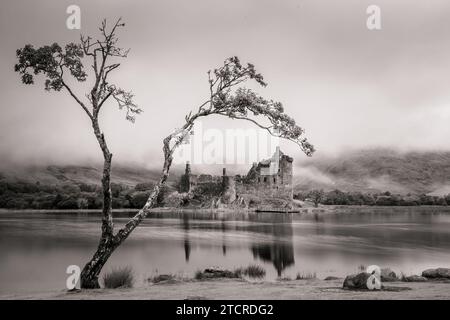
<point>304,210</point>
<point>239,289</point>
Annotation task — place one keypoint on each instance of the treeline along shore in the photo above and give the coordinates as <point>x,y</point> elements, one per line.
<point>338,197</point>
<point>82,196</point>
<point>26,195</point>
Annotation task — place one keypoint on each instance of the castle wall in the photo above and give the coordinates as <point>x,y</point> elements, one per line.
<point>266,189</point>
<point>274,185</point>
<point>229,189</point>
<point>286,171</point>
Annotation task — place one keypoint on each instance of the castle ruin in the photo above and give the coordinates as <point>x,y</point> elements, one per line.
<point>270,179</point>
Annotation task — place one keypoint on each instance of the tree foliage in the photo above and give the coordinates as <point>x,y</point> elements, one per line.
<point>55,63</point>
<point>226,99</point>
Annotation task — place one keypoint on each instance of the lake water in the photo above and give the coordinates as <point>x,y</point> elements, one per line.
<point>36,248</point>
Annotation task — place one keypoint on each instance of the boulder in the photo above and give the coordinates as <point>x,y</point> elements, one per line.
<point>415,278</point>
<point>161,278</point>
<point>215,272</point>
<point>356,281</point>
<point>439,273</point>
<point>387,275</point>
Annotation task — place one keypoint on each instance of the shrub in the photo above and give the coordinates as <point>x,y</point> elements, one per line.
<point>68,203</point>
<point>387,200</point>
<point>138,199</point>
<point>70,188</point>
<point>119,278</point>
<point>198,275</point>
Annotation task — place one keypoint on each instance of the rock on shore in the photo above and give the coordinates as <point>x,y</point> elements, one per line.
<point>438,273</point>
<point>357,281</point>
<point>387,275</point>
<point>415,278</point>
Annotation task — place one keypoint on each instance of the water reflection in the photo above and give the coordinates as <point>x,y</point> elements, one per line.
<point>36,248</point>
<point>224,244</point>
<point>278,249</point>
<point>187,243</point>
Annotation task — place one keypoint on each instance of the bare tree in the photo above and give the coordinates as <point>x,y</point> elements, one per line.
<point>225,99</point>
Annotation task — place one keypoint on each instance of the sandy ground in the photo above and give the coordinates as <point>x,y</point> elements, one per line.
<point>226,289</point>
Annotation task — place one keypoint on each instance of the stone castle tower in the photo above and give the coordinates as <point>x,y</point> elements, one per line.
<point>270,178</point>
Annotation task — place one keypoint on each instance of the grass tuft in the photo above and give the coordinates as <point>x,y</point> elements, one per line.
<point>362,268</point>
<point>119,278</point>
<point>252,271</point>
<point>306,276</point>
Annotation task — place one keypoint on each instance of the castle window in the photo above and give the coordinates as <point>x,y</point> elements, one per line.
<point>265,179</point>
<point>274,180</point>
<point>259,179</point>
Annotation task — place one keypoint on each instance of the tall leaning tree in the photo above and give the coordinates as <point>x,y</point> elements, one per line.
<point>226,98</point>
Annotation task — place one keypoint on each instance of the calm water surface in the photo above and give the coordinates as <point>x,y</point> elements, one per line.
<point>36,248</point>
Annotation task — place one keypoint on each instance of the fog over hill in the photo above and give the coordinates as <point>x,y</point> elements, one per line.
<point>377,170</point>
<point>374,170</point>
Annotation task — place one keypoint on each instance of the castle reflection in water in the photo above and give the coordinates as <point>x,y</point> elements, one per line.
<point>279,250</point>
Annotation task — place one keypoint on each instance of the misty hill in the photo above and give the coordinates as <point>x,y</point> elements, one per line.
<point>76,187</point>
<point>377,170</point>
<point>91,175</point>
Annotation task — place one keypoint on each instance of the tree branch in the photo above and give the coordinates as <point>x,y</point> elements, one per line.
<point>77,99</point>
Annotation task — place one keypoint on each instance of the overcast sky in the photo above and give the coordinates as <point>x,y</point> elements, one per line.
<point>347,86</point>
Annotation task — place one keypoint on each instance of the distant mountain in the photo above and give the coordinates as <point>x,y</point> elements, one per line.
<point>57,175</point>
<point>377,170</point>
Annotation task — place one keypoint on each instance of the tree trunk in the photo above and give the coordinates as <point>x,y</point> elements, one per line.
<point>91,271</point>
<point>107,245</point>
<point>108,241</point>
